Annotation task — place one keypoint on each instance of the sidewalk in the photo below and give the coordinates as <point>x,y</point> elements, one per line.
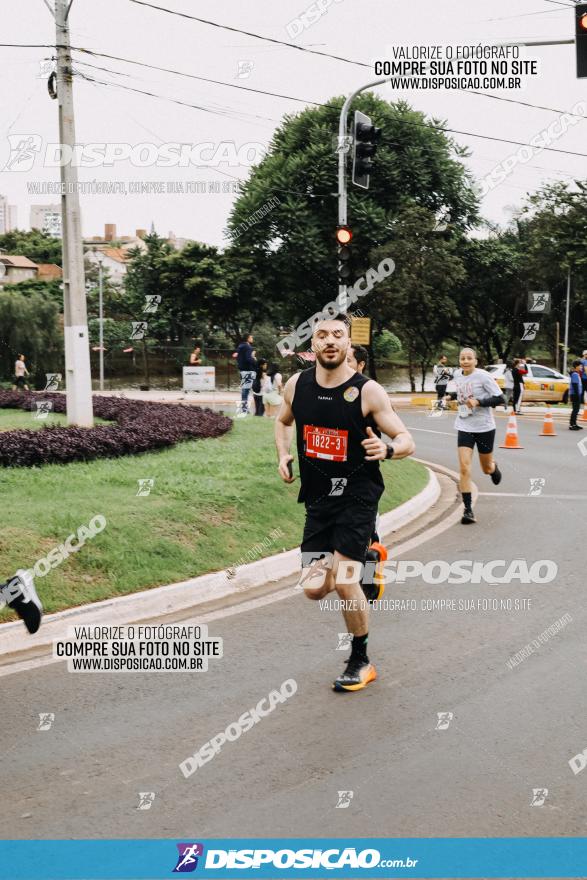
<point>188,599</point>
<point>230,400</point>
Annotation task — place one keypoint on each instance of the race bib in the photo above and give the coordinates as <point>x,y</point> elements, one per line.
<point>464,410</point>
<point>329,443</point>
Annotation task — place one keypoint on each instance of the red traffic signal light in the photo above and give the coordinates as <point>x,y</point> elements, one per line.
<point>580,12</point>
<point>344,235</point>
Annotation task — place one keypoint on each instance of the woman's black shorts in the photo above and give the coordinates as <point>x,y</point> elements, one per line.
<point>484,440</point>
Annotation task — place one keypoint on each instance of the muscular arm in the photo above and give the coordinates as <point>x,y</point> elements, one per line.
<point>376,403</point>
<point>284,429</point>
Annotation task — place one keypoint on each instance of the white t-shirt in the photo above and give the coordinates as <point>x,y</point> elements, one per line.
<point>480,385</point>
<point>19,368</point>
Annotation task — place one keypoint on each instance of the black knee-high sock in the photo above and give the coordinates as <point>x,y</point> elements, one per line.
<point>359,648</point>
<point>467,501</point>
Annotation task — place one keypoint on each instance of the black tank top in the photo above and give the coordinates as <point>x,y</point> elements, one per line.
<point>330,427</point>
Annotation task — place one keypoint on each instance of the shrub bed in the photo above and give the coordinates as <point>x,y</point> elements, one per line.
<point>140,427</point>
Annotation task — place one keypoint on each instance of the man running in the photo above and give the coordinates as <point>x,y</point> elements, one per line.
<point>19,594</point>
<point>477,392</point>
<point>442,375</point>
<point>358,358</point>
<point>338,416</point>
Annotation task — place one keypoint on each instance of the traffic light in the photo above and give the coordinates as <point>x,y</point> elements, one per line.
<point>344,236</point>
<point>365,137</point>
<point>581,38</point>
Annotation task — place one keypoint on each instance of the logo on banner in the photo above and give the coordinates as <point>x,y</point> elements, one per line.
<point>187,860</point>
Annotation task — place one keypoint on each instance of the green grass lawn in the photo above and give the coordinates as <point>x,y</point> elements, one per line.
<point>211,502</point>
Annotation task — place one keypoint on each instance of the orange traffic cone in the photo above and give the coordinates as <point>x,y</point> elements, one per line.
<point>583,416</point>
<point>548,426</point>
<point>511,434</point>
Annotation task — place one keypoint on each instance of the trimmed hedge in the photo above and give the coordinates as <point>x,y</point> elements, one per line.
<point>140,427</point>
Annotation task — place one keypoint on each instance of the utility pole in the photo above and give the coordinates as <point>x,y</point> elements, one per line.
<point>566,346</point>
<point>100,259</point>
<point>77,350</point>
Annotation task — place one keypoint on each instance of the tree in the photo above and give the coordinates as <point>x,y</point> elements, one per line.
<point>30,326</point>
<point>36,245</point>
<point>416,300</point>
<point>553,229</point>
<point>285,217</point>
<point>490,301</point>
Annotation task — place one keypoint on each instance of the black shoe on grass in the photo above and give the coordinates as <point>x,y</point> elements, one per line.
<point>22,597</point>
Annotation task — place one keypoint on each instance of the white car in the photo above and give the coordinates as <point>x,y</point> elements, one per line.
<point>540,383</point>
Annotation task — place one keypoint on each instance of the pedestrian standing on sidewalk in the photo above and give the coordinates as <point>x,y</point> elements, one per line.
<point>272,398</point>
<point>508,380</point>
<point>247,366</point>
<point>518,371</point>
<point>257,387</point>
<point>584,374</point>
<point>575,395</point>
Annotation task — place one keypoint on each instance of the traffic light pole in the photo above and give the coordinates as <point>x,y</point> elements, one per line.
<point>343,149</point>
<point>77,350</point>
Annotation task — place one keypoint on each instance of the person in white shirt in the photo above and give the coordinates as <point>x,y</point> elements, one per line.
<point>477,393</point>
<point>272,398</point>
<point>20,371</point>
<point>442,375</point>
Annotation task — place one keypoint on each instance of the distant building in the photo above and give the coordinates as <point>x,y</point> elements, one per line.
<point>113,259</point>
<point>47,218</point>
<point>178,243</point>
<point>126,242</point>
<point>49,271</point>
<point>7,216</point>
<point>16,269</point>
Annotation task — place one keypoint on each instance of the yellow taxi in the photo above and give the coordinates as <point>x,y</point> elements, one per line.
<point>541,384</point>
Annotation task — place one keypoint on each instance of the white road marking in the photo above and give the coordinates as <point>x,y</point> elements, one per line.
<point>526,495</point>
<point>270,598</point>
<point>428,431</point>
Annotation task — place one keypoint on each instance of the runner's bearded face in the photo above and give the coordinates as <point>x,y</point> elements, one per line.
<point>331,346</point>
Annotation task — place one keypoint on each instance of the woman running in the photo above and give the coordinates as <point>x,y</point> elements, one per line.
<point>477,392</point>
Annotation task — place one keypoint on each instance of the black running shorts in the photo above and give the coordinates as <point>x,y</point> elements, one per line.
<point>483,439</point>
<point>348,529</point>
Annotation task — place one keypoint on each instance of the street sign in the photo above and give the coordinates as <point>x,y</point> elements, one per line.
<point>199,378</point>
<point>361,331</point>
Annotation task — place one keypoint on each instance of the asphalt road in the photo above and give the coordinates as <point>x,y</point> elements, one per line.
<point>512,730</point>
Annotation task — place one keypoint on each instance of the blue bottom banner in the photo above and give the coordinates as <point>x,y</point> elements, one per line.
<point>505,857</point>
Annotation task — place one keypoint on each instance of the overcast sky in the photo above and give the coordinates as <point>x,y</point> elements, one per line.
<point>360,30</point>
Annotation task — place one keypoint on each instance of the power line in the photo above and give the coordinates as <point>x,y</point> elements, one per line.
<point>290,97</point>
<point>249,33</point>
<point>192,76</point>
<point>261,91</point>
<point>487,137</point>
<point>226,113</point>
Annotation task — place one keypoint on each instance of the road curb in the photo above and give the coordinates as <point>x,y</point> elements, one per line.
<point>178,601</point>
